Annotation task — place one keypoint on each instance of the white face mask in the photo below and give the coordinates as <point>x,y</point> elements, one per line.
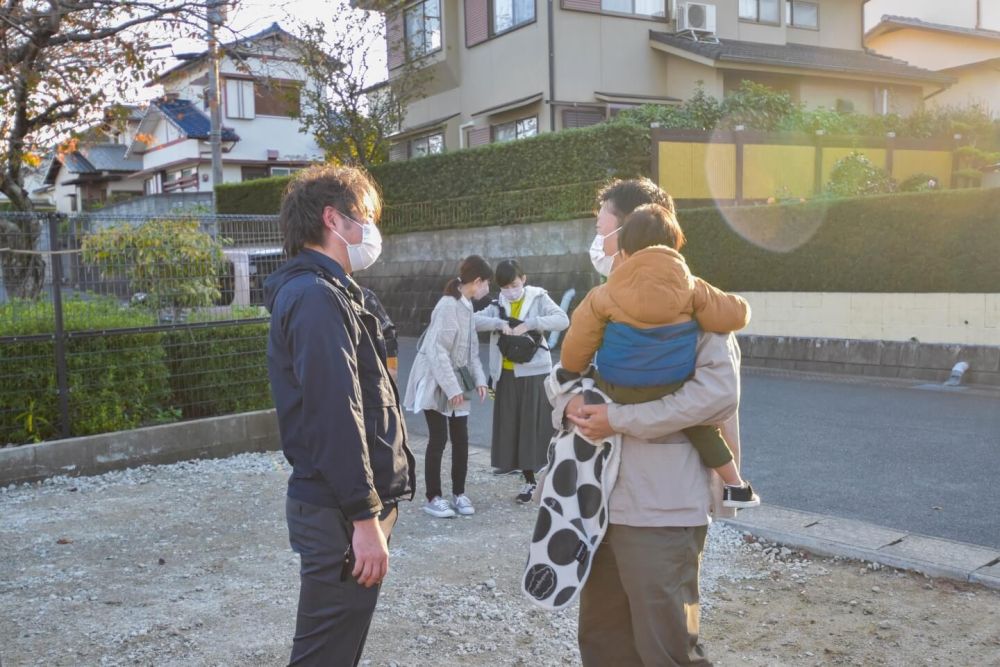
<point>481,291</point>
<point>513,293</point>
<point>601,260</point>
<point>364,254</point>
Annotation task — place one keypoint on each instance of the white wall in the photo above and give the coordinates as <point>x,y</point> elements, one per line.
<point>972,319</point>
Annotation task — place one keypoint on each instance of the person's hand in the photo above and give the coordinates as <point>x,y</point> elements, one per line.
<point>506,330</point>
<point>456,400</point>
<point>520,329</point>
<point>574,405</point>
<point>591,421</point>
<point>394,374</point>
<point>482,391</point>
<point>371,553</point>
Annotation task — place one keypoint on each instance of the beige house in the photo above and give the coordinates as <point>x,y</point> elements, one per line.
<point>966,45</point>
<point>508,69</point>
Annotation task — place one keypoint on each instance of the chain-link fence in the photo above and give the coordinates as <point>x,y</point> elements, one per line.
<point>113,322</point>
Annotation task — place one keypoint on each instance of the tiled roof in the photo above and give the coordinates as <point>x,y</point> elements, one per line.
<point>75,163</point>
<point>799,56</point>
<point>890,21</point>
<point>191,120</point>
<point>190,59</point>
<point>110,157</point>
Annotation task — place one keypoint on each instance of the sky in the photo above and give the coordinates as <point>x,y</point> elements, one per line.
<point>251,16</point>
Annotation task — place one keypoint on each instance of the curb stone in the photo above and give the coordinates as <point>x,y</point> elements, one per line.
<point>832,536</point>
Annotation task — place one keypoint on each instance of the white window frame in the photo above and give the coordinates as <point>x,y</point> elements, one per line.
<point>240,99</point>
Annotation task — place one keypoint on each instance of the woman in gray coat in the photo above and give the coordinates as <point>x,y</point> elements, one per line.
<point>444,374</point>
<point>522,415</point>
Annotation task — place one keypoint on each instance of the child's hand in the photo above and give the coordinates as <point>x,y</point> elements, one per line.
<point>506,331</point>
<point>520,329</point>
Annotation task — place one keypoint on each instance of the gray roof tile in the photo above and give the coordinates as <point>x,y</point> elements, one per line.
<point>800,56</point>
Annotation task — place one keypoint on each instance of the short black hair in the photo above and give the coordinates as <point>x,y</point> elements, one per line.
<point>508,270</point>
<point>650,225</point>
<point>350,190</point>
<point>628,195</point>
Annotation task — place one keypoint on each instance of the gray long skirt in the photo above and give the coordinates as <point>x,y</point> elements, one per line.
<point>522,423</point>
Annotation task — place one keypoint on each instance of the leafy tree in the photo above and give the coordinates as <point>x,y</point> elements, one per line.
<point>350,119</point>
<point>60,61</point>
<point>173,262</point>
<point>757,107</point>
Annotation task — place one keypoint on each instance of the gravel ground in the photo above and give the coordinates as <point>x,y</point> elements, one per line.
<point>189,564</point>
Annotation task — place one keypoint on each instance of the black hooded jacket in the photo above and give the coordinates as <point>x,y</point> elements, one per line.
<point>341,425</point>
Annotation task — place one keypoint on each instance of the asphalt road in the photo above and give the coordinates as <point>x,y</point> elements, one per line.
<point>898,456</point>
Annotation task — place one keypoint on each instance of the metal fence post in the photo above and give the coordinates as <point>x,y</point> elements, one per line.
<point>62,376</point>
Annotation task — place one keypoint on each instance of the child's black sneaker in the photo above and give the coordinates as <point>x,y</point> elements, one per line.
<point>740,496</point>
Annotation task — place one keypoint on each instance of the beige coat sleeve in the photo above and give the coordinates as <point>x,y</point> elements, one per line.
<point>718,311</point>
<point>712,396</point>
<point>586,331</point>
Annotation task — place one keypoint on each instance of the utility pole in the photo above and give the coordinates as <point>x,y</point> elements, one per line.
<point>216,18</point>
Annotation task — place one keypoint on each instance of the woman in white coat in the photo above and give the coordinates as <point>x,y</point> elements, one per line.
<point>445,372</point>
<point>522,415</point>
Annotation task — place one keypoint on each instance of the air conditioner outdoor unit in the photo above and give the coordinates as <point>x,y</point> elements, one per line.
<point>695,17</point>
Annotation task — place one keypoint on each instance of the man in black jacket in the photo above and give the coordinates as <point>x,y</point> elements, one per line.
<point>338,412</point>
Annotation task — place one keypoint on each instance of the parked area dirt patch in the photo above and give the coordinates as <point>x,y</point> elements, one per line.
<point>189,564</point>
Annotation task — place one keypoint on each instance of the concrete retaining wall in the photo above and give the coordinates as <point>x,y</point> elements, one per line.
<point>411,274</point>
<point>969,319</point>
<point>873,358</point>
<point>217,437</point>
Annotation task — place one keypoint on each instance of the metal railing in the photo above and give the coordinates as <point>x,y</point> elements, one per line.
<point>109,322</point>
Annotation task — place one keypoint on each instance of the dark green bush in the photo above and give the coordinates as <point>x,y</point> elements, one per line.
<point>116,381</point>
<point>221,369</point>
<point>943,241</point>
<point>549,160</point>
<point>261,196</point>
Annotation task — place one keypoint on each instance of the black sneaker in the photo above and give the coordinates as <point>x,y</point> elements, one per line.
<point>740,496</point>
<point>527,491</point>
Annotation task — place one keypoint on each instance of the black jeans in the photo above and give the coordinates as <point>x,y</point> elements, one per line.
<point>438,427</point>
<point>335,611</point>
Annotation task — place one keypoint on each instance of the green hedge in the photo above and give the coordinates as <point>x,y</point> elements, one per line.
<point>922,242</point>
<point>219,370</point>
<point>116,381</point>
<point>549,160</point>
<point>120,381</point>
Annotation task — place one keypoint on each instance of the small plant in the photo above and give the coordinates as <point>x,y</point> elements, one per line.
<point>856,176</point>
<point>34,423</point>
<point>920,183</point>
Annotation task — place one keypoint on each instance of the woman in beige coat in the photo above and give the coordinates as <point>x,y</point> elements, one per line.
<point>445,372</point>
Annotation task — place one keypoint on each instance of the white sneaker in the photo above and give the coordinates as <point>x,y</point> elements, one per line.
<point>439,507</point>
<point>527,491</point>
<point>463,505</point>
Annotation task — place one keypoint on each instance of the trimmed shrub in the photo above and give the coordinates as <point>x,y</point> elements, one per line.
<point>221,369</point>
<point>942,241</point>
<point>567,158</point>
<point>856,176</point>
<point>116,381</point>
